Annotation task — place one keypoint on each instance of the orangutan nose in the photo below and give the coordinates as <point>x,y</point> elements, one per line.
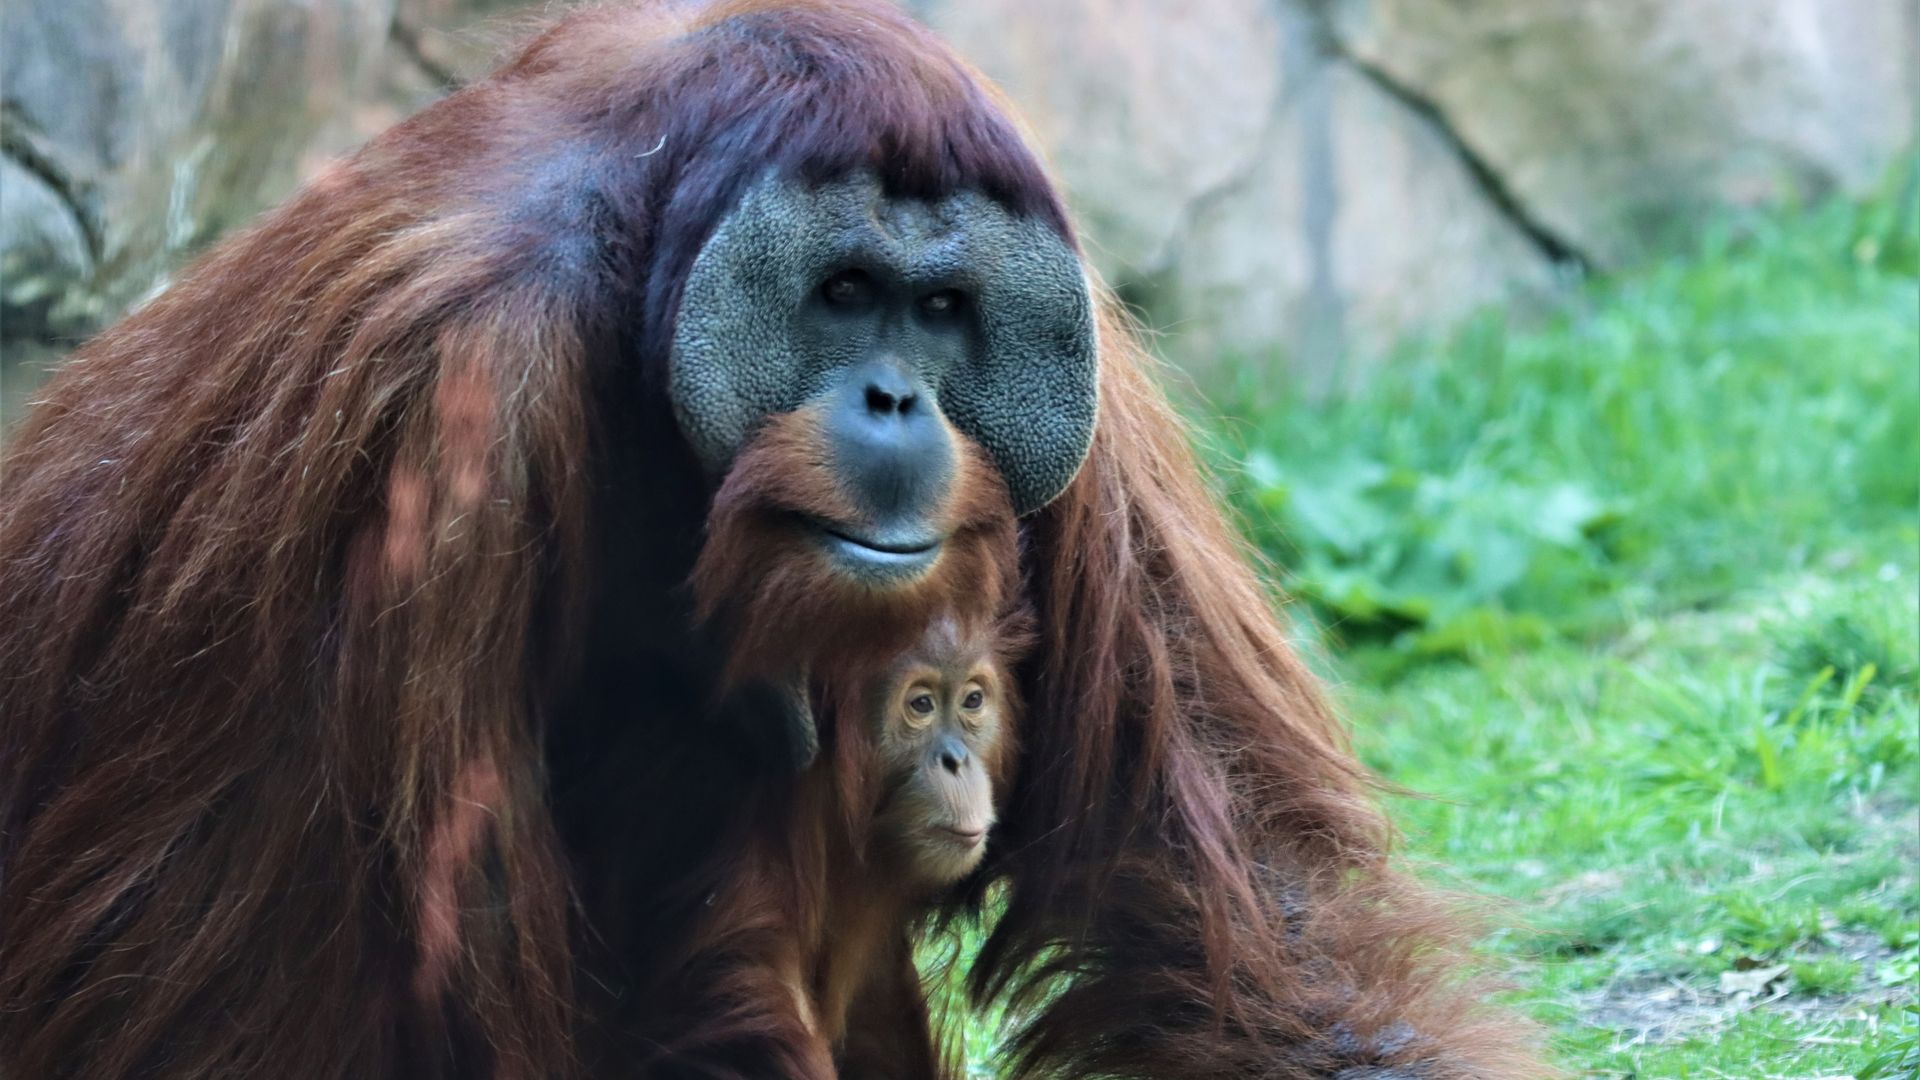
<point>953,754</point>
<point>892,453</point>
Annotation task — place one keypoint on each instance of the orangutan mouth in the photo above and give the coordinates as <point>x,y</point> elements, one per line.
<point>889,552</point>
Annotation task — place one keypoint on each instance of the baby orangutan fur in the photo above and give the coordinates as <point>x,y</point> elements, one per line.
<point>804,953</point>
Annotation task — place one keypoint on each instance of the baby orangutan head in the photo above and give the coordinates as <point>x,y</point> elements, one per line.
<point>943,733</point>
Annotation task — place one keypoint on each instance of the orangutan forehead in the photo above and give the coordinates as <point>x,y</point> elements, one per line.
<point>1025,390</point>
<point>951,646</point>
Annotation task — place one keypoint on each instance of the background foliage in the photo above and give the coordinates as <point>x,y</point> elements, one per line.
<point>1631,600</point>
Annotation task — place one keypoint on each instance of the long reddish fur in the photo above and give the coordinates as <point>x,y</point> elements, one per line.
<point>292,561</point>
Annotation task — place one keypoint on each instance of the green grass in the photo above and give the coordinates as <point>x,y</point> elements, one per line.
<point>1747,408</point>
<point>1661,818</point>
<point>1631,597</point>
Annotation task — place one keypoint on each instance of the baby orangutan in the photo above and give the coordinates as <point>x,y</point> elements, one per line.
<point>901,704</point>
<point>942,722</point>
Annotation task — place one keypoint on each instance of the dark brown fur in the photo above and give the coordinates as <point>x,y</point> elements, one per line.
<point>324,578</point>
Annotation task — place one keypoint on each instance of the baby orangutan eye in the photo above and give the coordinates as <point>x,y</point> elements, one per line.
<point>973,700</point>
<point>921,704</point>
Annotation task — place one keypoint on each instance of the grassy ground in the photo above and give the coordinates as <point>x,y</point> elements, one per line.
<point>1632,598</point>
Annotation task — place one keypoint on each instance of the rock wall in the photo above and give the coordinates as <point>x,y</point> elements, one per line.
<point>1306,178</point>
<point>133,131</point>
<point>1319,176</point>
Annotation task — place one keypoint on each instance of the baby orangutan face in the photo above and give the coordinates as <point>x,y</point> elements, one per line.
<point>944,725</point>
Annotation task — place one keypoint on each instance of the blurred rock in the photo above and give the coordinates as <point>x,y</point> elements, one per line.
<point>1149,110</point>
<point>431,48</point>
<point>135,131</point>
<point>459,40</point>
<point>1307,178</point>
<point>1244,187</point>
<point>1612,119</point>
<point>1320,176</point>
<point>1358,224</point>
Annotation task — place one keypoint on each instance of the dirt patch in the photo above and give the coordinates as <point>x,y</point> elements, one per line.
<point>1652,1009</point>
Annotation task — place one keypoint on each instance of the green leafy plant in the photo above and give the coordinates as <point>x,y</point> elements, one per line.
<point>1901,1059</point>
<point>1824,975</point>
<point>1685,431</point>
<point>1439,565</point>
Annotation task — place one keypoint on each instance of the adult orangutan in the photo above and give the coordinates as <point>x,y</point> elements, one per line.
<point>354,719</point>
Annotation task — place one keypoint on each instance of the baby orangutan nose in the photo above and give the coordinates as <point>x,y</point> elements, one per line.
<point>957,776</point>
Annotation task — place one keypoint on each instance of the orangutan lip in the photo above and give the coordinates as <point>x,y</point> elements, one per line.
<point>913,550</point>
<point>968,837</point>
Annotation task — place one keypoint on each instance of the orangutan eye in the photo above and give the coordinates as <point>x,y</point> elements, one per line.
<point>846,287</point>
<point>944,302</point>
<point>921,704</point>
<point>973,700</point>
